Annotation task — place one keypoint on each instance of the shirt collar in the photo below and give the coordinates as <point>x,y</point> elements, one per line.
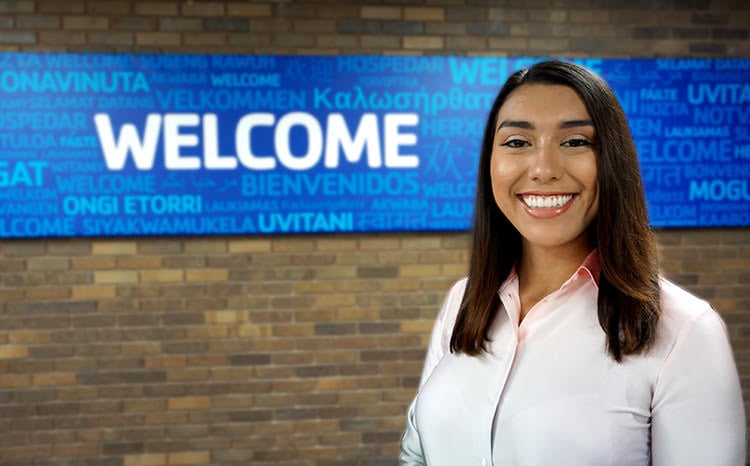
<point>590,267</point>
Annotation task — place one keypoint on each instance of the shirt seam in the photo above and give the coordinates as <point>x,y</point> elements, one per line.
<point>681,336</point>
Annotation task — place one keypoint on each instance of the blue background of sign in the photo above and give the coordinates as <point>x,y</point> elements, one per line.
<point>239,144</point>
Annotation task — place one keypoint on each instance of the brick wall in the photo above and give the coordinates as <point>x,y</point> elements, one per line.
<point>299,350</point>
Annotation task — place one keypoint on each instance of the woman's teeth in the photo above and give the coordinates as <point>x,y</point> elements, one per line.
<point>547,202</point>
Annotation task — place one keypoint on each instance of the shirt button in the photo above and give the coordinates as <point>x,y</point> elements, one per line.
<point>484,461</point>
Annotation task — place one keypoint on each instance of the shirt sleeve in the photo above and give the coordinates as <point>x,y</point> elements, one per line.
<point>411,445</point>
<point>697,417</point>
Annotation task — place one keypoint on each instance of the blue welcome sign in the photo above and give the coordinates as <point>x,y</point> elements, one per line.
<point>116,145</point>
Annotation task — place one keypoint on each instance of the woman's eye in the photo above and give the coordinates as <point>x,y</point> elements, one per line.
<point>515,143</point>
<point>577,143</point>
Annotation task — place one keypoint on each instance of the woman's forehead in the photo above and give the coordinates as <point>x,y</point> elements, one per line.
<point>543,102</point>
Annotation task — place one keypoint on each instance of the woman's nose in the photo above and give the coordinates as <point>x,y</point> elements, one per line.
<point>546,164</point>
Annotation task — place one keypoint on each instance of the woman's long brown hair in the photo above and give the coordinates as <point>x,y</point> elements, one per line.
<point>628,300</point>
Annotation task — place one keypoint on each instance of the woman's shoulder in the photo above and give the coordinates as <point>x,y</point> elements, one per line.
<point>694,353</point>
<point>456,292</point>
<point>684,312</point>
<point>452,301</point>
<point>680,303</point>
<point>446,318</point>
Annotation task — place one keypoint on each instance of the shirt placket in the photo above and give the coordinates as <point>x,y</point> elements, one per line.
<point>504,357</point>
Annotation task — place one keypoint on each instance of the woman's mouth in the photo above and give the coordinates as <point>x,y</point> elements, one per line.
<point>556,201</point>
<point>546,205</point>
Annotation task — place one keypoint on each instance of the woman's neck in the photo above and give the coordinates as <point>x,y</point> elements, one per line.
<point>542,271</point>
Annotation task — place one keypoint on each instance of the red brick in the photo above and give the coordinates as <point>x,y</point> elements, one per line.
<point>232,349</point>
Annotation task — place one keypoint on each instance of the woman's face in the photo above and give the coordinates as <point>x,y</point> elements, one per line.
<point>544,165</point>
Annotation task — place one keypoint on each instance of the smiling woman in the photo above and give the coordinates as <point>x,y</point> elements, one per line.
<point>564,345</point>
<point>544,170</point>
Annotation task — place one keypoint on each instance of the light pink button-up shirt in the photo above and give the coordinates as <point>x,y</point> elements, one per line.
<point>547,393</point>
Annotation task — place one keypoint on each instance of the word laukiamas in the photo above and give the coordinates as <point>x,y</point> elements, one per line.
<point>181,132</point>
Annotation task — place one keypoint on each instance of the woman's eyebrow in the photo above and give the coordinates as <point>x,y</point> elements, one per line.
<point>575,123</point>
<point>516,124</point>
<point>528,125</point>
